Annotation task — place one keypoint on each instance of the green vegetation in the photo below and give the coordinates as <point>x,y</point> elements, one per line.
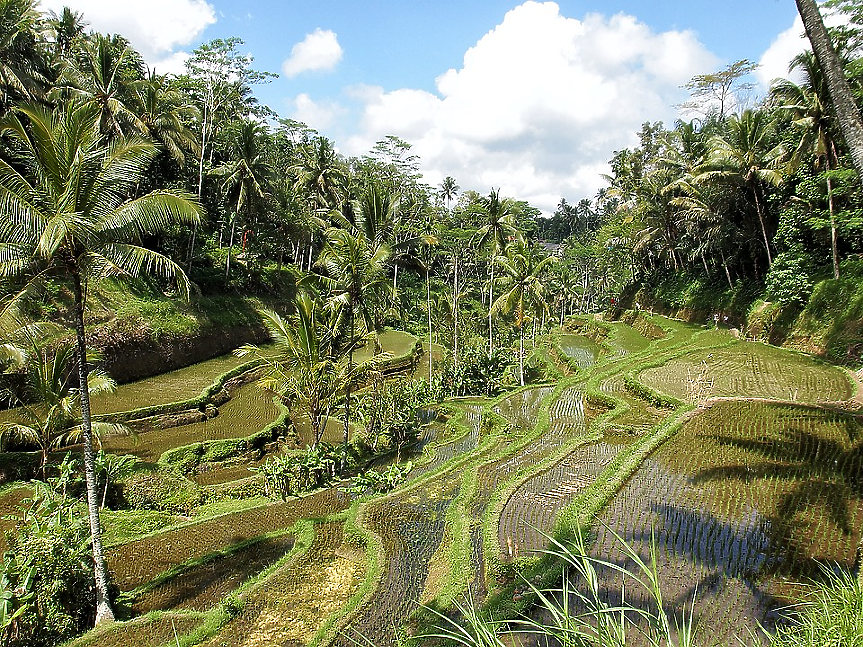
<point>269,499</point>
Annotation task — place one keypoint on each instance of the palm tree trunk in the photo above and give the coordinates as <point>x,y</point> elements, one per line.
<point>455,291</point>
<point>521,351</point>
<point>490,301</point>
<point>104,613</point>
<point>758,210</point>
<point>833,235</point>
<point>725,265</point>
<point>428,307</point>
<point>230,249</point>
<point>850,123</point>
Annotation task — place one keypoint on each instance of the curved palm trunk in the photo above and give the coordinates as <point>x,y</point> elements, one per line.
<point>104,613</point>
<point>850,123</point>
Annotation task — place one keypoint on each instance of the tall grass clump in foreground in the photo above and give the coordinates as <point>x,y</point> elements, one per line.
<point>578,613</point>
<point>831,615</point>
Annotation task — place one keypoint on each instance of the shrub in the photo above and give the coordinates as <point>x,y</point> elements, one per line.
<point>163,490</point>
<point>47,587</point>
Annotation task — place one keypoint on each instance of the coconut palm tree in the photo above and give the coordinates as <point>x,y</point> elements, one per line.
<point>246,176</point>
<point>449,190</point>
<point>22,65</point>
<point>499,229</point>
<point>163,113</point>
<point>103,78</point>
<point>522,279</point>
<point>745,157</point>
<point>850,123</point>
<point>812,114</point>
<point>69,214</point>
<point>355,273</point>
<point>321,174</point>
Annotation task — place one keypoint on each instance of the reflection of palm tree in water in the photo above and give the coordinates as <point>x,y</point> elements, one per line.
<point>823,473</point>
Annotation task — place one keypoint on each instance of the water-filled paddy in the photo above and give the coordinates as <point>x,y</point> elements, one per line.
<point>748,369</point>
<point>249,410</point>
<point>745,498</point>
<point>182,384</point>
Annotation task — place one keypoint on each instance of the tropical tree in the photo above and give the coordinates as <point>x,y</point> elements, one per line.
<point>246,176</point>
<point>500,227</point>
<point>746,157</point>
<point>163,114</point>
<point>49,406</point>
<point>449,190</point>
<point>850,123</point>
<point>808,105</point>
<point>70,214</point>
<point>22,65</point>
<point>522,279</point>
<point>356,276</point>
<point>103,78</point>
<point>321,174</point>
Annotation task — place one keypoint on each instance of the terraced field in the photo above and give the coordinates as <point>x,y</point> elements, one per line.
<point>741,497</point>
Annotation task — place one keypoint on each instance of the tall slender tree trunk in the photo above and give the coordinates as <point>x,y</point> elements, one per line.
<point>490,302</point>
<point>104,613</point>
<point>760,212</point>
<point>833,235</point>
<point>521,348</point>
<point>428,308</point>
<point>455,294</point>
<point>850,123</point>
<point>230,249</point>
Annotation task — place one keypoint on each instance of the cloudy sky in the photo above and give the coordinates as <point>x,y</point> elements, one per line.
<point>532,98</point>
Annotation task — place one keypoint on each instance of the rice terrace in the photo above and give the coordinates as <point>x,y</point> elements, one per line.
<point>270,376</point>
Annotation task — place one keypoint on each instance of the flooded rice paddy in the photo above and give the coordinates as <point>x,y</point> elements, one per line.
<point>743,500</point>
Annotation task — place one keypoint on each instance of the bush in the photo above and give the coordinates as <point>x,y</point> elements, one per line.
<point>161,490</point>
<point>788,280</point>
<point>47,589</point>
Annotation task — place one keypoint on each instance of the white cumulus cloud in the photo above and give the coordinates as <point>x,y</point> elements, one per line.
<point>317,52</point>
<point>791,42</point>
<point>156,28</point>
<point>540,103</point>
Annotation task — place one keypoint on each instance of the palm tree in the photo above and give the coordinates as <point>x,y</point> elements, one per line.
<point>103,79</point>
<point>163,114</point>
<point>49,406</point>
<point>246,176</point>
<point>808,105</point>
<point>522,277</point>
<point>500,227</point>
<point>850,123</point>
<point>68,28</point>
<point>303,373</point>
<point>321,174</point>
<point>66,197</point>
<point>356,276</point>
<point>449,190</point>
<point>22,66</point>
<point>744,157</point>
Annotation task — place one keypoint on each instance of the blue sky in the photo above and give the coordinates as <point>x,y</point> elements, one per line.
<point>529,97</point>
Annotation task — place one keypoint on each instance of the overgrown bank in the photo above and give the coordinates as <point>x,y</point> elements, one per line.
<point>827,322</point>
